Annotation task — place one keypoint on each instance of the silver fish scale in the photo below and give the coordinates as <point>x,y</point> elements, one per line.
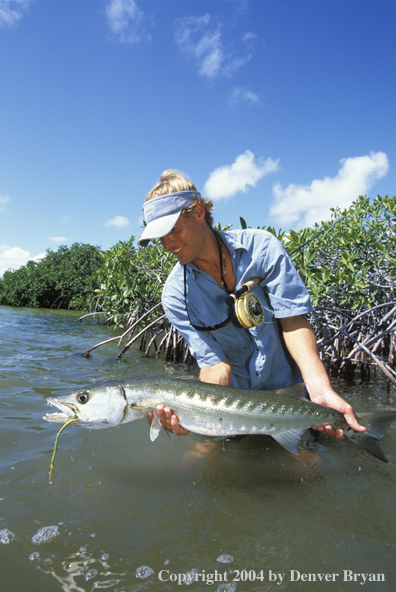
<point>214,410</point>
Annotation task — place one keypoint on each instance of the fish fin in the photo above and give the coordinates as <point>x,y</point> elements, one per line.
<point>297,391</point>
<point>155,428</point>
<point>376,423</point>
<point>289,440</point>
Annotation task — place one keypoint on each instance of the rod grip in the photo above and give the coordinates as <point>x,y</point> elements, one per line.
<point>246,287</point>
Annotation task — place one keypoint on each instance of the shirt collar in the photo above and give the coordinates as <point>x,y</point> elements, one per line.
<point>230,241</point>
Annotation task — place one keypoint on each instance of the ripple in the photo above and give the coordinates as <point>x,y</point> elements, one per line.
<point>191,577</point>
<point>231,587</point>
<point>92,573</point>
<point>225,558</point>
<point>6,536</point>
<point>45,534</point>
<point>144,572</point>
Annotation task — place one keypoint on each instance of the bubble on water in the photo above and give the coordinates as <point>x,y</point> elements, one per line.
<point>225,558</point>
<point>48,560</point>
<point>231,587</point>
<point>6,536</point>
<point>82,549</point>
<point>45,534</point>
<point>104,557</point>
<point>34,556</point>
<point>144,571</point>
<point>90,575</point>
<point>166,562</point>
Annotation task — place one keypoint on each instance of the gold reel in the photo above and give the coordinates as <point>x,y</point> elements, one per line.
<point>249,310</point>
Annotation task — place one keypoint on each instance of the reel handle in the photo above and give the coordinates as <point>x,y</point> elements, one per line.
<point>246,287</point>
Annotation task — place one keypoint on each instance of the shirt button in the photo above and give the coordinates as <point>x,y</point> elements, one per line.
<point>256,373</point>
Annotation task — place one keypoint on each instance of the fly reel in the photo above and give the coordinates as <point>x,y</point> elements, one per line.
<point>248,308</point>
<point>249,311</point>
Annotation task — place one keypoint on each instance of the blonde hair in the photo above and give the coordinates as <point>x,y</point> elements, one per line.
<point>172,181</point>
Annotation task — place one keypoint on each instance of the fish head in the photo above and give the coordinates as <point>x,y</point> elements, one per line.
<point>99,406</point>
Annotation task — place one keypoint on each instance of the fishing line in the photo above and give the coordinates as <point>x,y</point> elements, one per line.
<point>313,238</point>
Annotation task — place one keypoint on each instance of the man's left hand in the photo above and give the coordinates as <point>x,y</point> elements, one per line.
<point>331,399</point>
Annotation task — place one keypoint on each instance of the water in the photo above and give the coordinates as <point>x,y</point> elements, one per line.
<point>124,514</point>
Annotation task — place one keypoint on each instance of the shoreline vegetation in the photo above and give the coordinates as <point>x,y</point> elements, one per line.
<point>347,263</point>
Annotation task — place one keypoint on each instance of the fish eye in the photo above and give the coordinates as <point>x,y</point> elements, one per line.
<point>83,397</point>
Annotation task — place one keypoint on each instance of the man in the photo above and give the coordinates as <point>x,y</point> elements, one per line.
<point>280,352</point>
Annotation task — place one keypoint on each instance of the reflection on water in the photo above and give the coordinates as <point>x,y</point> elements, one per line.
<point>125,514</point>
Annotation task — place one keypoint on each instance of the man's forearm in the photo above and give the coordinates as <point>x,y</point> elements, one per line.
<point>220,373</point>
<point>300,341</point>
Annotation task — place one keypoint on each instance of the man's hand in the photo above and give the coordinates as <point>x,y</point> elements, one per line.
<point>331,399</point>
<point>220,373</point>
<point>300,341</point>
<point>168,420</point>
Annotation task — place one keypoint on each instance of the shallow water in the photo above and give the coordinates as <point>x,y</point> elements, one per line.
<point>125,514</point>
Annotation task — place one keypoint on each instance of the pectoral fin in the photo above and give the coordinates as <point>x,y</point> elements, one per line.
<point>155,428</point>
<point>289,440</point>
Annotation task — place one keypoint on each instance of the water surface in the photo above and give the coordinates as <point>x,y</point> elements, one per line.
<point>125,514</point>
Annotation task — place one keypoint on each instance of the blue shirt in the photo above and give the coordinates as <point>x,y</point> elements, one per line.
<point>258,356</point>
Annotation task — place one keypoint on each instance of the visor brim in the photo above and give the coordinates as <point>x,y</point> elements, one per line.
<point>158,228</point>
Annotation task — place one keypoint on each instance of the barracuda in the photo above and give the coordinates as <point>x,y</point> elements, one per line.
<point>214,411</point>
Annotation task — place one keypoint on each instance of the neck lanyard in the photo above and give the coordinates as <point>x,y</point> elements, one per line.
<point>230,308</point>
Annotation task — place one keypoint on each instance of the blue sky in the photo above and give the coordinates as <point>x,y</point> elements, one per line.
<point>277,110</point>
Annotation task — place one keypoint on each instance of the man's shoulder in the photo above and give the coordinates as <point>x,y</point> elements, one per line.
<point>174,279</point>
<point>249,237</point>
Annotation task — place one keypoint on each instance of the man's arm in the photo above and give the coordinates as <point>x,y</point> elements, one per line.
<point>220,373</point>
<point>300,341</point>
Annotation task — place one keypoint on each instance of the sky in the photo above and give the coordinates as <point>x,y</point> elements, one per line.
<point>277,111</point>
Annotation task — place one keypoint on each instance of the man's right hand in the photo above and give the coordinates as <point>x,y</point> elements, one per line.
<point>220,373</point>
<point>168,420</point>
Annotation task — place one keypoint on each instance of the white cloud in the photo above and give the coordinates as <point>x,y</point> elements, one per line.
<point>118,222</point>
<point>307,204</point>
<point>198,38</point>
<point>243,95</point>
<point>3,201</point>
<point>66,219</point>
<point>225,181</point>
<point>58,239</point>
<point>12,11</point>
<point>14,257</point>
<point>126,21</point>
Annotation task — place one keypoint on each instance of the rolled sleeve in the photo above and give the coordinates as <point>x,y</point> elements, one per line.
<point>286,290</point>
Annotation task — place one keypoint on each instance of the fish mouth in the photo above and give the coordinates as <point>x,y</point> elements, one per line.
<point>66,411</point>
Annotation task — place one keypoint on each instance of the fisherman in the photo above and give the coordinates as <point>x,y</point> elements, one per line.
<point>211,264</point>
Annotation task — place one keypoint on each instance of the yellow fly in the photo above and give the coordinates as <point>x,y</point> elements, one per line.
<point>56,446</point>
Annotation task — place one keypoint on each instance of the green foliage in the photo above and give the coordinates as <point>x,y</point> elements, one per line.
<point>343,262</point>
<point>353,264</point>
<point>65,278</point>
<point>131,280</point>
<point>349,261</point>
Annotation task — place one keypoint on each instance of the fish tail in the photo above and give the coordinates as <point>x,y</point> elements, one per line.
<point>376,425</point>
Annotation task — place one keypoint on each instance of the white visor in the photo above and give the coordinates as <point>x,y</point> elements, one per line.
<point>161,213</point>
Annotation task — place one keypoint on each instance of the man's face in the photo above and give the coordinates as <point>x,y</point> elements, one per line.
<point>186,239</point>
